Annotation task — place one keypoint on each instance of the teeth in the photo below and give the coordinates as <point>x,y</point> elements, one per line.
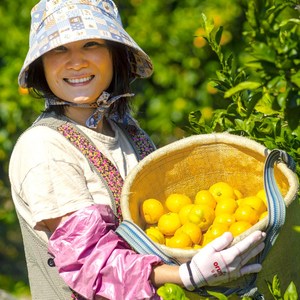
<point>79,80</point>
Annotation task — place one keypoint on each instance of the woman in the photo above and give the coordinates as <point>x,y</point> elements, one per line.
<point>67,170</point>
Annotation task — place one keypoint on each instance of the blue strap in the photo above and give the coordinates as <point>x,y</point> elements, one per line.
<point>276,204</point>
<point>141,243</point>
<point>276,209</point>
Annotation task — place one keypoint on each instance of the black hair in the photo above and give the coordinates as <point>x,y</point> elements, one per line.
<point>120,84</point>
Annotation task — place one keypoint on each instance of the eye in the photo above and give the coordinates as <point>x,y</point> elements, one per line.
<point>94,44</point>
<point>60,49</point>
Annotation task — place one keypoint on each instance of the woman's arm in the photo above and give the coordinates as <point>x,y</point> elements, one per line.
<point>165,273</point>
<point>93,260</point>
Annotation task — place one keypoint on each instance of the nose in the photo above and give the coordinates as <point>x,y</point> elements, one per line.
<point>76,60</point>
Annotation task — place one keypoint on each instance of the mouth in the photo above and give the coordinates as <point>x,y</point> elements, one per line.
<point>82,80</point>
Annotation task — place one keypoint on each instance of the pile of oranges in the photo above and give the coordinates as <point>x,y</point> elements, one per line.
<point>180,222</point>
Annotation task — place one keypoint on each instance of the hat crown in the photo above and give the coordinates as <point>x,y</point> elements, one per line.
<point>46,8</point>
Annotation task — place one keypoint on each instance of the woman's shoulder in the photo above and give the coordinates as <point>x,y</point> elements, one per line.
<point>39,134</point>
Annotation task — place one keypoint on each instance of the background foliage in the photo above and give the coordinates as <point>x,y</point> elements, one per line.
<point>243,77</point>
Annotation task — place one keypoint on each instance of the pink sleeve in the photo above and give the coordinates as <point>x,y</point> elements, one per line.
<point>93,260</point>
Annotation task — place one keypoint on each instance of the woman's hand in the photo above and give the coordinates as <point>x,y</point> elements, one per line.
<point>215,263</point>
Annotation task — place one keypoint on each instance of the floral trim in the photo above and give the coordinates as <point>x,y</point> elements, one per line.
<point>140,140</point>
<point>103,165</point>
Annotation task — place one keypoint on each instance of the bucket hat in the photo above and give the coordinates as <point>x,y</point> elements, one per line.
<point>58,22</point>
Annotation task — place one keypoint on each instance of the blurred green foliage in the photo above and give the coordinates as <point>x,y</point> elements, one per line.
<point>259,88</point>
<point>180,94</point>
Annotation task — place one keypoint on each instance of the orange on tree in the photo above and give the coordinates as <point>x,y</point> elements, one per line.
<point>183,213</point>
<point>226,206</point>
<point>151,210</point>
<point>168,223</point>
<point>201,215</point>
<point>221,190</point>
<point>176,201</point>
<point>204,197</point>
<point>246,213</point>
<point>255,202</point>
<point>180,240</point>
<point>192,230</point>
<point>239,227</point>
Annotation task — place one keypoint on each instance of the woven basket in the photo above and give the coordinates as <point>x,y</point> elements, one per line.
<point>195,163</point>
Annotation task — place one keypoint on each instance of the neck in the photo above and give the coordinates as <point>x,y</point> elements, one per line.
<point>80,115</point>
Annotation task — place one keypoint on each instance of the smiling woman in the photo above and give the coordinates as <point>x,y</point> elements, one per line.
<point>67,170</point>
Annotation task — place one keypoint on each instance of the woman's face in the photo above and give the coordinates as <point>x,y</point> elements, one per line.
<point>80,71</point>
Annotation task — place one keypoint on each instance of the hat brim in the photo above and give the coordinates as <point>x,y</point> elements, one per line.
<point>75,22</point>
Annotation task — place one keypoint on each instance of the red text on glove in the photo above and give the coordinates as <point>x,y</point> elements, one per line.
<point>218,269</point>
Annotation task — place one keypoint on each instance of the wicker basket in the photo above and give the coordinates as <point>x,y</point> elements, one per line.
<point>195,163</point>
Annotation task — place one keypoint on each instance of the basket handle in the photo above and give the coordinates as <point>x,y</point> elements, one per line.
<point>276,204</point>
<point>276,213</point>
<point>141,243</point>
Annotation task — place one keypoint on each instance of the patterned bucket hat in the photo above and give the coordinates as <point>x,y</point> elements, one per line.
<point>58,22</point>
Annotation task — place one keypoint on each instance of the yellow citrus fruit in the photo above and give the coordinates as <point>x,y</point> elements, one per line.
<point>238,227</point>
<point>183,213</point>
<point>255,202</point>
<point>175,202</point>
<point>204,197</point>
<point>262,195</point>
<point>226,206</point>
<point>221,190</point>
<point>246,213</point>
<point>197,246</point>
<point>180,240</point>
<point>238,194</point>
<point>152,210</point>
<point>213,232</point>
<point>192,230</point>
<point>201,215</point>
<point>168,223</point>
<point>226,219</point>
<point>155,234</point>
<point>263,215</point>
<point>216,230</point>
<point>167,238</point>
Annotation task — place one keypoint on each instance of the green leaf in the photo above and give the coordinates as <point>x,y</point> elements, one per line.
<point>254,99</point>
<point>217,295</point>
<point>296,79</point>
<point>171,291</point>
<point>219,35</point>
<point>263,51</point>
<point>291,292</point>
<point>246,85</point>
<point>285,22</point>
<point>208,24</point>
<point>264,105</point>
<point>275,288</point>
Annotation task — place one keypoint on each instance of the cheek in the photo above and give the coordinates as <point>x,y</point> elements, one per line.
<point>51,69</point>
<point>105,66</point>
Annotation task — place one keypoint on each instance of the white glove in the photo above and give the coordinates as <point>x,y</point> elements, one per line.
<point>214,264</point>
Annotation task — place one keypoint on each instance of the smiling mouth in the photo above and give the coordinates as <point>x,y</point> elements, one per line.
<point>79,80</point>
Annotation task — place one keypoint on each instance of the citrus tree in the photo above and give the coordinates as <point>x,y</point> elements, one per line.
<point>259,89</point>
